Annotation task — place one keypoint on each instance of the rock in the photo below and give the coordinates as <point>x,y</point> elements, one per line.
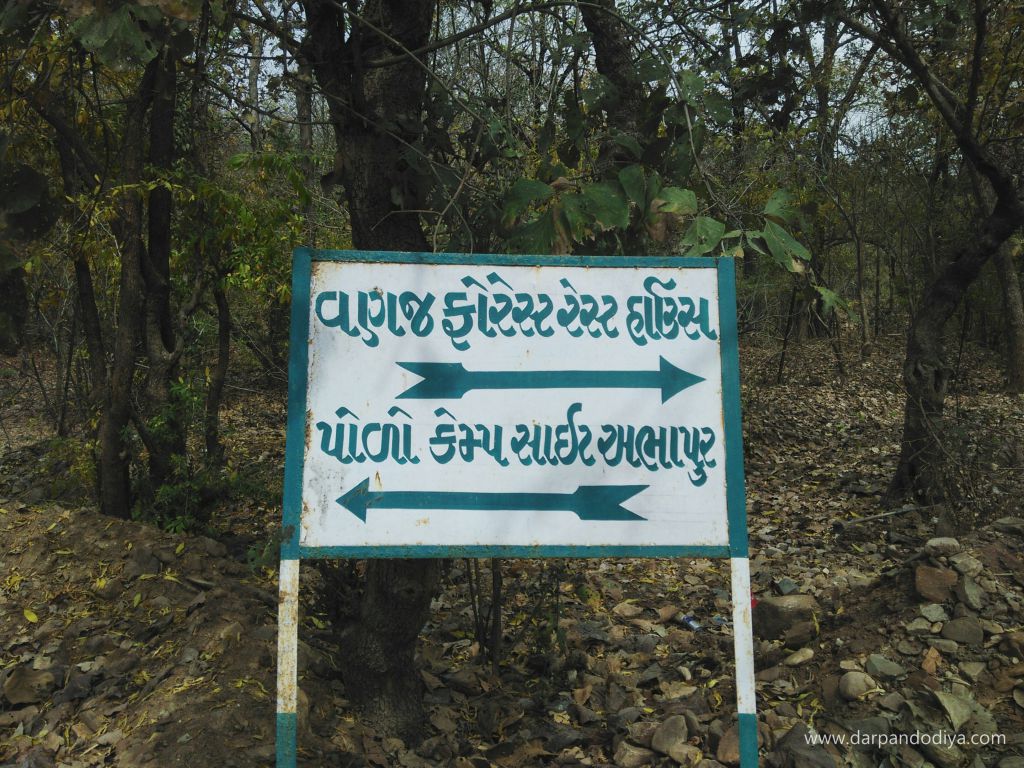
<point>853,685</point>
<point>1011,762</point>
<point>967,564</point>
<point>800,657</point>
<point>671,736</point>
<point>728,751</point>
<point>948,647</point>
<point>794,751</point>
<point>919,626</point>
<point>1011,525</point>
<point>972,671</point>
<point>942,546</point>
<point>28,686</point>
<point>934,584</point>
<point>773,616</point>
<point>942,755</point>
<point>631,756</point>
<point>892,701</point>
<point>786,585</point>
<point>879,666</point>
<point>709,764</point>
<point>800,633</point>
<point>966,630</point>
<point>640,733</point>
<point>970,594</point>
<point>934,612</point>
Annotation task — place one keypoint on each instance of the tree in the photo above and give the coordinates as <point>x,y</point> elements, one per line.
<point>971,108</point>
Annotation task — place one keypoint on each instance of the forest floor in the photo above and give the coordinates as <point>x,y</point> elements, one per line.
<point>122,644</point>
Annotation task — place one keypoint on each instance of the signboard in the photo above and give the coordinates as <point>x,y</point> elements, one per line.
<point>444,405</point>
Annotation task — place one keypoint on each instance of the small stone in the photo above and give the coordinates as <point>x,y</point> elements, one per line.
<point>970,594</point>
<point>934,612</point>
<point>1011,762</point>
<point>919,626</point>
<point>854,685</point>
<point>967,564</point>
<point>800,634</point>
<point>631,756</point>
<point>892,701</point>
<point>966,630</point>
<point>773,616</point>
<point>1011,525</point>
<point>800,657</point>
<point>670,737</point>
<point>934,584</point>
<point>786,585</point>
<point>728,751</point>
<point>640,733</point>
<point>943,546</point>
<point>972,670</point>
<point>879,666</point>
<point>948,647</point>
<point>908,647</point>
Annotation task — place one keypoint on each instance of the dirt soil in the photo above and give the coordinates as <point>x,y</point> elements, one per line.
<point>124,645</point>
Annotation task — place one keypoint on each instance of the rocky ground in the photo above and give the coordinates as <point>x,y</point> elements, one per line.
<point>124,645</point>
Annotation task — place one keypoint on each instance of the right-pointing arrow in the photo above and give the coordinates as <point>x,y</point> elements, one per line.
<point>450,381</point>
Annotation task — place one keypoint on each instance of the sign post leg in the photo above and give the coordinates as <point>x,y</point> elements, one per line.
<point>287,663</point>
<point>743,639</point>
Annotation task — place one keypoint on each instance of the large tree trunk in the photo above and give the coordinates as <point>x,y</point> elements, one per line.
<point>167,442</point>
<point>926,372</point>
<point>1014,316</point>
<point>114,481</point>
<point>375,113</point>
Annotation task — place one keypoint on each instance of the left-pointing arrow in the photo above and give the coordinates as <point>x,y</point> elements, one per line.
<point>589,502</point>
<point>452,380</point>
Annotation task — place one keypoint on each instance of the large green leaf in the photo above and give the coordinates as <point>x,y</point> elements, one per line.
<point>779,207</point>
<point>677,200</point>
<point>717,107</point>
<point>117,36</point>
<point>632,180</point>
<point>784,248</point>
<point>607,203</point>
<point>523,194</point>
<point>703,236</point>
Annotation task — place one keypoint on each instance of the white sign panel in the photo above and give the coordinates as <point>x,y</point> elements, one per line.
<point>461,405</point>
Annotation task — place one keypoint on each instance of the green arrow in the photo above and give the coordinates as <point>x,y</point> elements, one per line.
<point>589,502</point>
<point>450,381</point>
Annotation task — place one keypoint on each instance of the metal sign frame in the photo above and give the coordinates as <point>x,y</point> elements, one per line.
<point>292,551</point>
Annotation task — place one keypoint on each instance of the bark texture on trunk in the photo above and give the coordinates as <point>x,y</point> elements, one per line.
<point>926,371</point>
<point>1012,301</point>
<point>376,113</point>
<point>113,469</point>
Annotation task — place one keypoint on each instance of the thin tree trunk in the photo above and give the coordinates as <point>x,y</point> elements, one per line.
<point>113,469</point>
<point>215,387</point>
<point>1010,283</point>
<point>160,336</point>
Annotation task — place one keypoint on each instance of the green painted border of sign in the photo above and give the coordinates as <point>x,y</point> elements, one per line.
<point>298,366</point>
<point>737,548</point>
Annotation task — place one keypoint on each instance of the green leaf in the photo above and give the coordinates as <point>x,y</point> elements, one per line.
<point>632,180</point>
<point>523,194</point>
<point>784,248</point>
<point>546,234</point>
<point>578,215</point>
<point>627,141</point>
<point>703,236</point>
<point>830,300</point>
<point>691,86</point>
<point>677,200</point>
<point>607,203</point>
<point>717,107</point>
<point>779,207</point>
<point>116,37</point>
